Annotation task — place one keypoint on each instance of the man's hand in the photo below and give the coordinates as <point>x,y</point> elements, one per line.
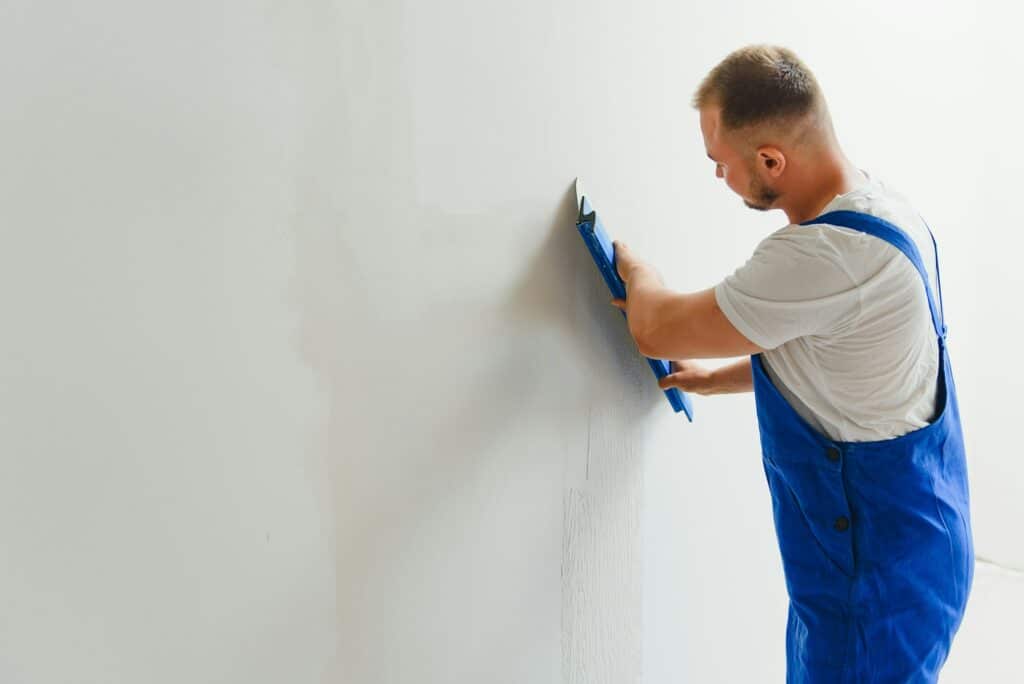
<point>689,377</point>
<point>628,265</point>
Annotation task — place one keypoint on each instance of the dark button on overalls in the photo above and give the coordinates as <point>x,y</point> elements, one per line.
<point>875,536</point>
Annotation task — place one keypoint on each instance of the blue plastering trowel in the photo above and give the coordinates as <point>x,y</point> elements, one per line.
<point>603,252</point>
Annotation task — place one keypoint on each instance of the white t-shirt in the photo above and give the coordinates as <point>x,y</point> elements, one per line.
<point>845,319</point>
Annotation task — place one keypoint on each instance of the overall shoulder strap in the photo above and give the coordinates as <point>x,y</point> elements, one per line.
<point>898,238</point>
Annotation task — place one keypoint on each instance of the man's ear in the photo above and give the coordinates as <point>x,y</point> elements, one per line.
<point>772,160</point>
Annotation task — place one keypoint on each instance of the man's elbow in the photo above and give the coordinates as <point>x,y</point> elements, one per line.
<point>655,346</point>
<point>655,339</point>
<point>647,350</point>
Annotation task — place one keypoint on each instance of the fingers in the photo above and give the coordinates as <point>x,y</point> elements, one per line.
<point>671,380</point>
<point>619,304</point>
<point>688,381</point>
<point>683,366</point>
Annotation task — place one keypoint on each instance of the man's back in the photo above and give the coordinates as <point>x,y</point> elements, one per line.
<point>845,319</point>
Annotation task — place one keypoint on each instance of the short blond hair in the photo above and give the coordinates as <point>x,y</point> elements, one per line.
<point>760,84</point>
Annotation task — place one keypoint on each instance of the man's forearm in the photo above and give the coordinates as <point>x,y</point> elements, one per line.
<point>734,378</point>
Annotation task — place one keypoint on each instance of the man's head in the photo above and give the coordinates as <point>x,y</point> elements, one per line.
<point>765,123</point>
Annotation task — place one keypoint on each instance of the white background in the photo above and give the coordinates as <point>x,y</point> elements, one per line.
<point>305,375</point>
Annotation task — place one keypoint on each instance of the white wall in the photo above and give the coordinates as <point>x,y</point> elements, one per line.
<point>306,376</point>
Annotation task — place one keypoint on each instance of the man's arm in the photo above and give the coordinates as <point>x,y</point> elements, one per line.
<point>673,325</point>
<point>692,377</point>
<point>734,378</point>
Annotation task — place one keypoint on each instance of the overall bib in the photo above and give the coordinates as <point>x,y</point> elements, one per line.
<point>875,536</point>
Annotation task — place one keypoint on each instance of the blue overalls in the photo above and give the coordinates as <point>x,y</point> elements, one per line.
<point>875,536</point>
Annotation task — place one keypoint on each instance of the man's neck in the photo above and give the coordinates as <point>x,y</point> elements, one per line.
<point>838,179</point>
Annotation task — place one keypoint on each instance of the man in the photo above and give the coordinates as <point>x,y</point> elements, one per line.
<point>856,405</point>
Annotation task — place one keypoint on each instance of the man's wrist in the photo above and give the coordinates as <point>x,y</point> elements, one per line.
<point>717,381</point>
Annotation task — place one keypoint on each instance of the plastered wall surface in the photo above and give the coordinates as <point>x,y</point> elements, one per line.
<point>306,376</point>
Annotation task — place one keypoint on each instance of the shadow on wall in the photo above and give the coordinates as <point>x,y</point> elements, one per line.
<point>453,380</point>
<point>562,288</point>
<point>557,318</point>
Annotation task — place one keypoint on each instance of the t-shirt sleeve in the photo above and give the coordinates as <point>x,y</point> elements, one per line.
<point>793,285</point>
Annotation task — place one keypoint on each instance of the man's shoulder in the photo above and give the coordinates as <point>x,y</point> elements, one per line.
<point>878,199</point>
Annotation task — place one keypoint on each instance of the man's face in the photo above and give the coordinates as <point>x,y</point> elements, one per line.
<point>738,172</point>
